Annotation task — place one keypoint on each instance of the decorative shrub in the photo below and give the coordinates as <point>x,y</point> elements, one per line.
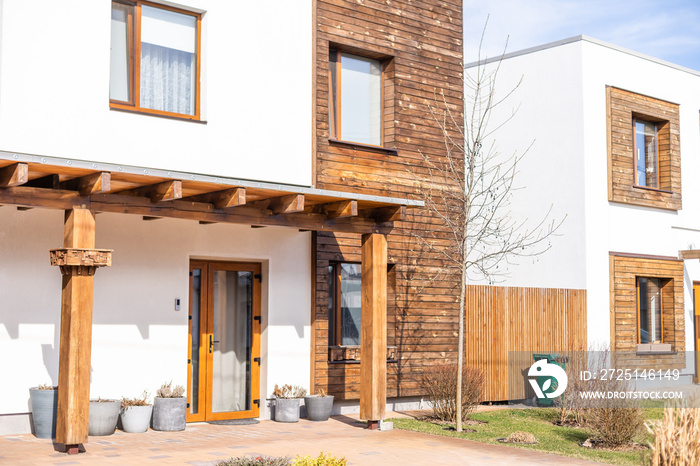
<point>676,439</point>
<point>440,383</point>
<point>288,391</point>
<point>167,391</point>
<point>320,460</point>
<point>255,461</point>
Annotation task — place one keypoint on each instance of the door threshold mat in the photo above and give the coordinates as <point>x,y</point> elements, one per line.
<point>235,422</point>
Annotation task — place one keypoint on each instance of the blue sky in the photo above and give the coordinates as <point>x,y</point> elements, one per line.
<point>669,30</point>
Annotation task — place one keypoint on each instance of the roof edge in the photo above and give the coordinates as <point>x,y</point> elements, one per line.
<point>583,38</point>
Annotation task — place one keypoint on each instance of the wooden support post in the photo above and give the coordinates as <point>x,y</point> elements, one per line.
<point>373,335</point>
<point>78,261</point>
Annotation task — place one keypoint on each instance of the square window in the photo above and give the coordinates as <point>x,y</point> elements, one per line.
<point>154,63</point>
<point>355,98</point>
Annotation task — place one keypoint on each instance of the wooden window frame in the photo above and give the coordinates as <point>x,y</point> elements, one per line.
<point>636,119</point>
<point>335,100</point>
<point>624,108</point>
<point>639,308</point>
<point>334,332</point>
<point>134,44</point>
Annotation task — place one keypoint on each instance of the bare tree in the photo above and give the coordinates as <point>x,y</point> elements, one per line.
<point>469,189</point>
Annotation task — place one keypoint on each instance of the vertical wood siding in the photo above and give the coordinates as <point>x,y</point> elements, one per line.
<point>501,320</point>
<point>421,43</point>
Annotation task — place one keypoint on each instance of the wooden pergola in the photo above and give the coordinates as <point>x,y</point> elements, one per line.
<point>82,189</point>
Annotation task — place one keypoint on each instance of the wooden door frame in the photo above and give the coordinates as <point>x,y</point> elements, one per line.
<point>696,327</point>
<point>206,329</point>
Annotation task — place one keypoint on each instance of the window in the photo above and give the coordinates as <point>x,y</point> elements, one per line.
<point>644,161</point>
<point>355,98</point>
<point>650,310</point>
<point>647,314</point>
<point>154,64</point>
<point>645,150</point>
<point>344,304</point>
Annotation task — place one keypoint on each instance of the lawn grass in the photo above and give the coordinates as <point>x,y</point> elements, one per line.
<point>538,421</point>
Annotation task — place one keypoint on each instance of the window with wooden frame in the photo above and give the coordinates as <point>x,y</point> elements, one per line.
<point>155,59</point>
<point>647,318</point>
<point>649,310</point>
<point>644,163</point>
<point>344,304</point>
<point>356,98</point>
<point>646,160</point>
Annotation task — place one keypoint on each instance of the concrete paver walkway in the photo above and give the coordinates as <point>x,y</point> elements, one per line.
<point>204,444</point>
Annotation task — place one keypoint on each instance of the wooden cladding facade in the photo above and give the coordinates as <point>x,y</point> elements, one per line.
<point>623,107</point>
<point>624,314</point>
<point>420,47</point>
<point>506,325</point>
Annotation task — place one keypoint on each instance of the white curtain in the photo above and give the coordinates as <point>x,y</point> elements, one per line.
<point>168,61</point>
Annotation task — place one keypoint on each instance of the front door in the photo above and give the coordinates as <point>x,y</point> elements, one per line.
<point>696,303</point>
<point>223,377</point>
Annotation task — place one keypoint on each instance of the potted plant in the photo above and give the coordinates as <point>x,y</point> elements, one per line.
<point>288,402</point>
<point>44,399</point>
<point>170,408</point>
<point>103,416</point>
<point>318,407</point>
<point>136,414</point>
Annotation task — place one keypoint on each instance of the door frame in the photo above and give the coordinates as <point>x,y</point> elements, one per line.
<point>206,325</point>
<point>696,326</point>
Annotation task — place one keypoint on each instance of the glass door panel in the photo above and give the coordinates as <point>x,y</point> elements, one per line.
<point>232,341</point>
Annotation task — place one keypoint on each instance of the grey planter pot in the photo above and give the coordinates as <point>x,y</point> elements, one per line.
<point>287,409</point>
<point>44,404</point>
<point>318,408</point>
<point>169,414</point>
<point>103,417</point>
<point>136,419</point>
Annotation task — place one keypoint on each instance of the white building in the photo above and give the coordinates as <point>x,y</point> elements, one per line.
<point>615,144</point>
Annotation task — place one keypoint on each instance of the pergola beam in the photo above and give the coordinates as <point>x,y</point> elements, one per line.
<point>689,254</point>
<point>339,209</point>
<point>14,175</point>
<point>89,184</point>
<point>182,209</point>
<point>164,191</point>
<point>291,203</point>
<point>386,214</point>
<point>223,199</point>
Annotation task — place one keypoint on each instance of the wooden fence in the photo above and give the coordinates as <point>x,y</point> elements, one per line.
<point>520,321</point>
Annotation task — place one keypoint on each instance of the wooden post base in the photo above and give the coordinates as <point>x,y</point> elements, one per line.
<point>73,449</point>
<point>372,425</point>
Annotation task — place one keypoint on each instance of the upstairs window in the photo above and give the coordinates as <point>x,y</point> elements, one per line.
<point>355,98</point>
<point>154,64</point>
<point>646,154</point>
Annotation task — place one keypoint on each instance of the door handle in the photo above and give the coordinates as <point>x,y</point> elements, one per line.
<point>211,343</point>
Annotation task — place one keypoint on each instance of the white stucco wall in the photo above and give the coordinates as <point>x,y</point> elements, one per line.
<point>256,90</point>
<point>546,111</point>
<point>625,228</point>
<point>562,107</point>
<point>139,340</point>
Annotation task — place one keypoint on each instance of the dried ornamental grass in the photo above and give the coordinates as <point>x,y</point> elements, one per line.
<point>289,391</point>
<point>521,437</point>
<point>167,391</point>
<point>676,437</point>
<point>138,401</point>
